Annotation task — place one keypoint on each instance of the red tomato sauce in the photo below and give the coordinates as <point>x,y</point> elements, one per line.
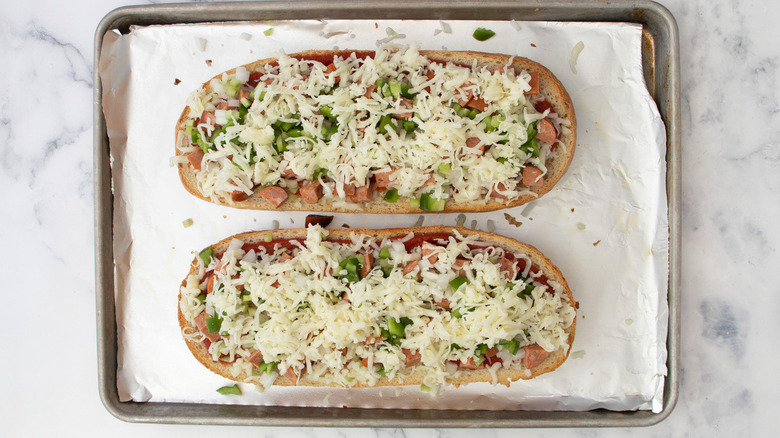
<point>419,238</point>
<point>327,58</point>
<point>269,246</point>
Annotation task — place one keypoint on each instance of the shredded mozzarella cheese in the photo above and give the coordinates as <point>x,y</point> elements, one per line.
<point>299,308</point>
<point>367,129</point>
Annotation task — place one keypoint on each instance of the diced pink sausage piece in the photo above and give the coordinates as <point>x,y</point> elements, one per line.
<point>444,304</point>
<point>368,260</point>
<point>287,172</point>
<point>494,191</point>
<point>412,357</point>
<point>532,176</point>
<point>256,358</point>
<point>411,266</point>
<point>200,322</point>
<point>477,103</point>
<point>208,118</point>
<point>371,339</point>
<point>534,356</point>
<point>509,268</point>
<point>474,143</point>
<point>382,179</point>
<point>311,191</point>
<point>290,374</point>
<point>429,252</point>
<point>195,158</point>
<point>534,83</point>
<point>239,196</point>
<point>547,132</point>
<point>361,194</point>
<point>469,364</point>
<point>370,90</point>
<point>460,266</point>
<point>274,195</point>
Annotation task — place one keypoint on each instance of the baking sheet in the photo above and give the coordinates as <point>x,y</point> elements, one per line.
<point>604,224</point>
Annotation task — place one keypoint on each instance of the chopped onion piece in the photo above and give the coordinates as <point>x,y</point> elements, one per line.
<point>242,74</point>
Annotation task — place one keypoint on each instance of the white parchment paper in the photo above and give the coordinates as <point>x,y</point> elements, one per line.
<point>604,224</point>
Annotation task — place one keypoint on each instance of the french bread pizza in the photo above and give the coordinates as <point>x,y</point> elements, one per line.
<point>396,130</point>
<point>425,306</point>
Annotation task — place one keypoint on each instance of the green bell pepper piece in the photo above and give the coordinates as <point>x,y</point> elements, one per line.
<point>384,122</point>
<point>327,112</point>
<point>405,92</point>
<point>230,390</point>
<point>319,172</point>
<point>482,34</point>
<point>395,89</point>
<point>213,324</point>
<point>429,203</point>
<point>206,255</point>
<point>391,195</point>
<point>458,281</point>
<point>395,328</point>
<point>531,147</point>
<point>512,345</point>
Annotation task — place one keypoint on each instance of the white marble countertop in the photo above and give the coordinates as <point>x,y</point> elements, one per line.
<point>730,135</point>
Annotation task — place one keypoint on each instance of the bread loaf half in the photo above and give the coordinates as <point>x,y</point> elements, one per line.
<point>386,131</point>
<point>360,308</point>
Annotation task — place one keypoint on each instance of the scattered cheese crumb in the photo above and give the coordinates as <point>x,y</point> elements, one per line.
<point>332,34</point>
<point>575,53</point>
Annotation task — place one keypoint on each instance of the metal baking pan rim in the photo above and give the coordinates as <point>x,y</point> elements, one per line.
<point>654,18</point>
